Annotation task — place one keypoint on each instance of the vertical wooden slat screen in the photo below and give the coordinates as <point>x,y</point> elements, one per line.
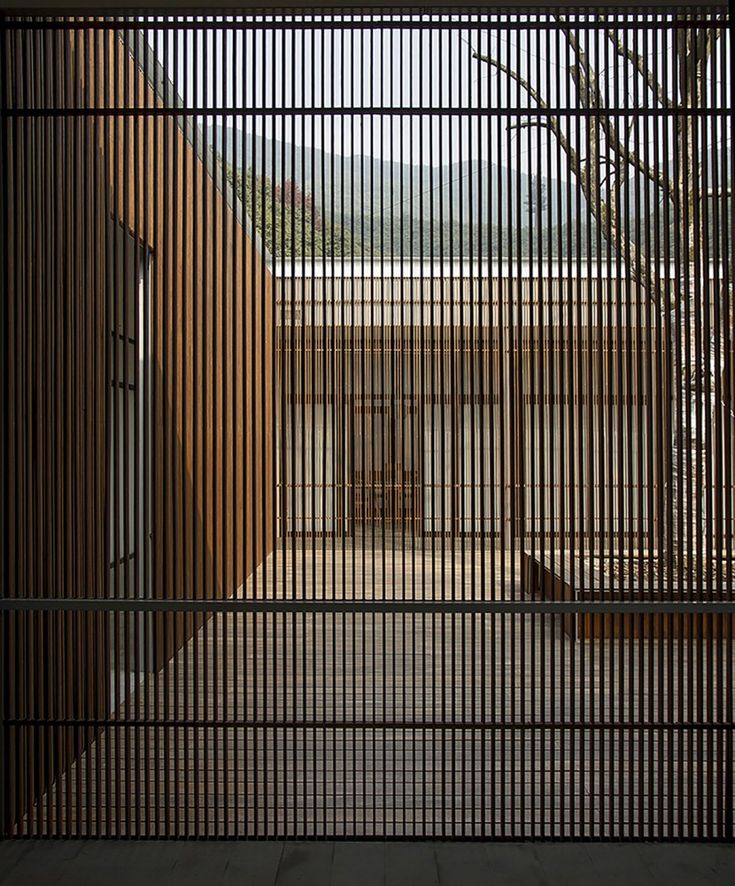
<point>368,424</point>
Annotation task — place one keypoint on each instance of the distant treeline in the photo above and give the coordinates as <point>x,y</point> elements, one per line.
<point>293,226</point>
<point>287,218</point>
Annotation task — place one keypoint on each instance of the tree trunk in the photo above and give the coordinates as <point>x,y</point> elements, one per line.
<point>695,447</point>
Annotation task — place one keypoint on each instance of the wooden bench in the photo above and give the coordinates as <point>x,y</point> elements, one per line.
<point>562,575</point>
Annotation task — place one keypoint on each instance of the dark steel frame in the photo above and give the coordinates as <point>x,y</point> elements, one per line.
<point>668,604</point>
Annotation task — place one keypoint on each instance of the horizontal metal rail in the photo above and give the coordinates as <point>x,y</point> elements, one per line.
<point>367,110</point>
<point>379,723</point>
<point>357,24</point>
<point>431,607</point>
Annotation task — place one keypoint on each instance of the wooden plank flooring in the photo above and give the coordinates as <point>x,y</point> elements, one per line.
<point>374,724</point>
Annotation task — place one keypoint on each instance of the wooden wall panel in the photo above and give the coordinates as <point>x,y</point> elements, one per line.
<point>70,179</point>
<point>212,358</point>
<point>55,665</point>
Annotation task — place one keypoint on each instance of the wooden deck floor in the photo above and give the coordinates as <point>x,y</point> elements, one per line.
<point>374,724</point>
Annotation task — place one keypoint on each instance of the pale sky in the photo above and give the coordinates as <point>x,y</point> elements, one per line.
<point>273,67</point>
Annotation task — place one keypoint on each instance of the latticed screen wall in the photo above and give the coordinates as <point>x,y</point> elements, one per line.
<point>368,441</point>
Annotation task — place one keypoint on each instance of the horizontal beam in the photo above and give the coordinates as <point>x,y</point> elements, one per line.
<point>425,607</point>
<point>367,111</point>
<point>409,725</point>
<point>472,22</point>
<point>426,7</point>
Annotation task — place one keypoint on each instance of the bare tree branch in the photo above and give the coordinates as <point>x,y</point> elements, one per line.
<point>590,97</point>
<point>606,212</point>
<point>641,65</point>
<point>613,140</point>
<point>604,146</point>
<point>552,123</point>
<point>514,75</point>
<point>606,215</point>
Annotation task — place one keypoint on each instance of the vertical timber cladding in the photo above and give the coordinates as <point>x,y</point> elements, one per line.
<point>370,425</point>
<point>125,245</point>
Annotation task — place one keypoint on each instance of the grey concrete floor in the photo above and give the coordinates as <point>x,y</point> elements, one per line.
<point>32,863</point>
